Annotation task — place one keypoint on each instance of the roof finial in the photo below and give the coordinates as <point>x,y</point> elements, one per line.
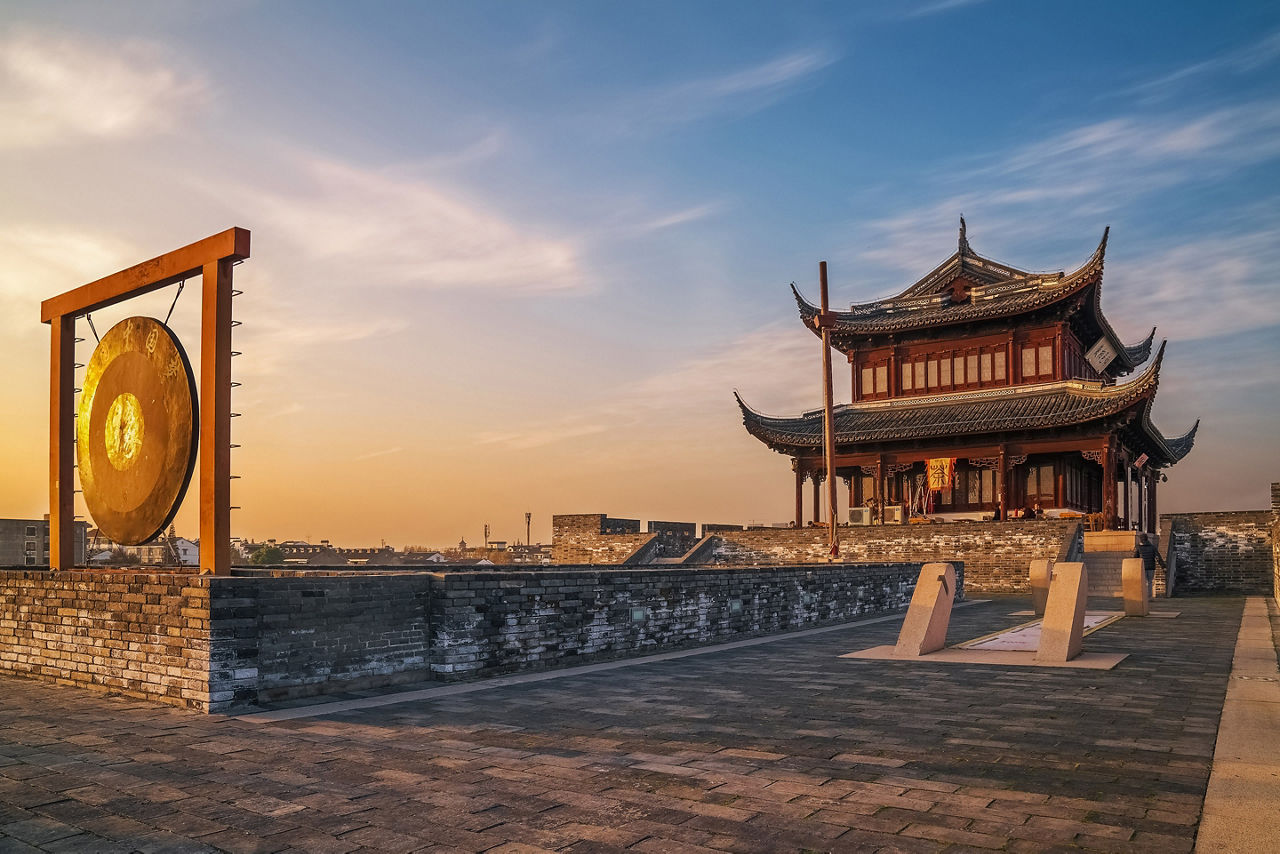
<point>964,242</point>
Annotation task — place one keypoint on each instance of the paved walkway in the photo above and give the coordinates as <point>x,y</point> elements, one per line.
<point>773,747</point>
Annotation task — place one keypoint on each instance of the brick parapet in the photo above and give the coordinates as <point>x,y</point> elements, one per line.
<point>486,623</point>
<point>1229,551</point>
<point>138,634</point>
<point>996,555</point>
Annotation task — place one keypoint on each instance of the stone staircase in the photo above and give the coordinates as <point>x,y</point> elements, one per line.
<point>1104,553</point>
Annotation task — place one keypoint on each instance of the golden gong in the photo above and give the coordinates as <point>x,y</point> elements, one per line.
<point>135,430</point>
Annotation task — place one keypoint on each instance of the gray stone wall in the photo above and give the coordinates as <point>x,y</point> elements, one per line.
<point>1227,552</point>
<point>215,644</point>
<point>144,635</point>
<point>674,538</point>
<point>276,638</point>
<point>996,555</point>
<point>496,622</point>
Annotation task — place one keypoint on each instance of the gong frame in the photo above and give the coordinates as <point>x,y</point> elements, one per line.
<point>212,258</point>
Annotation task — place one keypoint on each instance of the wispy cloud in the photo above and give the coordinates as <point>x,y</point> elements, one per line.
<point>542,434</point>
<point>1242,60</point>
<point>680,217</point>
<point>37,263</point>
<point>385,452</point>
<point>934,7</point>
<point>361,225</point>
<point>738,92</point>
<point>1085,175</point>
<point>57,89</point>
<point>1215,285</point>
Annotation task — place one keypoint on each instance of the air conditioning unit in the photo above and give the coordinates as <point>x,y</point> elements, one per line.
<point>893,515</point>
<point>859,515</point>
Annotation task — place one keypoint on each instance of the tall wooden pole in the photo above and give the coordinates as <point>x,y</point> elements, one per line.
<point>61,438</point>
<point>215,418</point>
<point>828,416</point>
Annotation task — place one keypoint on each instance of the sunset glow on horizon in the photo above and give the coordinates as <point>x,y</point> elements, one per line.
<point>515,258</point>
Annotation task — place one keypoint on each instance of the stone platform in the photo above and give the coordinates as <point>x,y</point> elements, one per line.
<point>773,744</point>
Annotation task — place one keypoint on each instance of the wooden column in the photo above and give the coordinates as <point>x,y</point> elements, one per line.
<point>215,421</point>
<point>1005,478</point>
<point>1152,513</point>
<point>1128,490</point>
<point>62,406</point>
<point>880,490</point>
<point>1108,486</point>
<point>1142,501</point>
<point>817,498</point>
<point>799,493</point>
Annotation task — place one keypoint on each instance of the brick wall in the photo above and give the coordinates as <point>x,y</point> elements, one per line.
<point>216,644</point>
<point>1275,540</point>
<point>495,622</point>
<point>594,538</point>
<point>996,555</point>
<point>297,635</point>
<point>1223,552</point>
<point>144,635</point>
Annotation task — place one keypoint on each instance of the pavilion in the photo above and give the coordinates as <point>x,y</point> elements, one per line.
<point>981,390</point>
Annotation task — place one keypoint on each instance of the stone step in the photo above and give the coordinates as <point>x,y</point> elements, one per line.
<point>1104,572</point>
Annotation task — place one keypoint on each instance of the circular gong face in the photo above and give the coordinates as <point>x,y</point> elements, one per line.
<point>135,430</point>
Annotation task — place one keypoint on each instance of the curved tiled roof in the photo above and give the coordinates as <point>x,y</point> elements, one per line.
<point>1012,292</point>
<point>1000,291</point>
<point>1025,407</point>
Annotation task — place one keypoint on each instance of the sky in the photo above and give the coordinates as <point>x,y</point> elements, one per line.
<point>515,257</point>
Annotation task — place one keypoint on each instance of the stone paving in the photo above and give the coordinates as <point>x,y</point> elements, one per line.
<point>776,747</point>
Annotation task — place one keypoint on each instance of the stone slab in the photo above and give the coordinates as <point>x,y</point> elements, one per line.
<point>1006,658</point>
<point>1063,626</point>
<point>1168,614</point>
<point>1027,635</point>
<point>924,629</point>
<point>1040,572</point>
<point>1133,584</point>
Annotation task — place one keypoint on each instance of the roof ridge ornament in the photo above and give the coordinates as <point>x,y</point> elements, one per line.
<point>964,241</point>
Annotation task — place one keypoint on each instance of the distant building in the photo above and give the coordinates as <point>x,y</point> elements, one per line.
<point>165,550</point>
<point>536,554</point>
<point>25,542</point>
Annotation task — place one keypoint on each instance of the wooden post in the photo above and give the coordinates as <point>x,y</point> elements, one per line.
<point>880,490</point>
<point>1128,490</point>
<point>1153,521</point>
<point>1004,485</point>
<point>215,419</point>
<point>799,493</point>
<point>828,413</point>
<point>1108,486</point>
<point>817,497</point>
<point>62,407</point>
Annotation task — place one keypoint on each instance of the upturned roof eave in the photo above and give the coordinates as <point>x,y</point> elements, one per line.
<point>870,318</point>
<point>793,434</point>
